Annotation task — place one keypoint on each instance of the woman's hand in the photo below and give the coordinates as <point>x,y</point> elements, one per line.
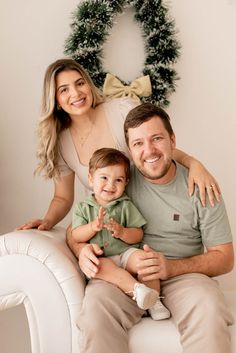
<point>206,183</point>
<point>88,260</point>
<point>41,224</point>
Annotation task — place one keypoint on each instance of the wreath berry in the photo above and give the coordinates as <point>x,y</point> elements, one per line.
<point>92,22</point>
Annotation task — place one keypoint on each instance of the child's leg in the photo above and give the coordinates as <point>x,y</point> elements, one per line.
<point>158,311</point>
<point>131,267</point>
<point>110,272</point>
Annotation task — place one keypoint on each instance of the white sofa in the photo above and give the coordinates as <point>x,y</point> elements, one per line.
<point>38,270</point>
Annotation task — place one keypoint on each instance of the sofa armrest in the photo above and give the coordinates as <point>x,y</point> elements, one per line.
<point>38,269</point>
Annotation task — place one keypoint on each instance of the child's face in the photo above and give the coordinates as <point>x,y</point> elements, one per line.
<point>108,183</point>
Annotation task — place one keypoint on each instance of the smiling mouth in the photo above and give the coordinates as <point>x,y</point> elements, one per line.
<point>78,102</point>
<point>109,192</point>
<point>152,160</point>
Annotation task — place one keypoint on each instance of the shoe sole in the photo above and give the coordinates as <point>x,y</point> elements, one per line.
<point>160,317</point>
<point>149,300</point>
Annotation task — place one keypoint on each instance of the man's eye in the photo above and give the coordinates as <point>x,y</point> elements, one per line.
<point>103,177</point>
<point>157,138</point>
<point>137,144</point>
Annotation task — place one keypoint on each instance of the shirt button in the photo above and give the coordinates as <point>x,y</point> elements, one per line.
<point>106,244</point>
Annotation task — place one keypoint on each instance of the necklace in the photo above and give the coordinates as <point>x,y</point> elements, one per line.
<point>82,139</point>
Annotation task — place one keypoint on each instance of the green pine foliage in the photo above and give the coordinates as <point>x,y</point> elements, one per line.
<point>91,25</point>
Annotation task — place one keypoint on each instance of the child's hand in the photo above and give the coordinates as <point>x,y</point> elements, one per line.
<point>115,228</point>
<point>98,223</point>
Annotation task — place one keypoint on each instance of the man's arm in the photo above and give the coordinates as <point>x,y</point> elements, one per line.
<point>216,261</point>
<point>86,254</point>
<point>72,243</point>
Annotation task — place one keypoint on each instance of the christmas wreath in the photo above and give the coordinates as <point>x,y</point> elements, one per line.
<point>92,22</point>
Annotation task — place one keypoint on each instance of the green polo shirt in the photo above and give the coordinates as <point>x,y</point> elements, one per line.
<point>122,210</point>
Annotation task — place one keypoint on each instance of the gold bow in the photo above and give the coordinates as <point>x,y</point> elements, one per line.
<point>141,87</point>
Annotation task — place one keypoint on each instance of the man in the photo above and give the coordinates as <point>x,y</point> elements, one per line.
<point>178,229</point>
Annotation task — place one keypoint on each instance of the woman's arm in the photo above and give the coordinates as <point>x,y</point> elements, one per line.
<point>200,176</point>
<point>59,206</point>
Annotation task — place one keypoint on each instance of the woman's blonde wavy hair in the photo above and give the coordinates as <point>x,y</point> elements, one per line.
<point>53,120</point>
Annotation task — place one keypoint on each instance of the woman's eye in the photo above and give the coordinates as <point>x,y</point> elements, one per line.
<point>103,178</point>
<point>63,90</point>
<point>80,83</point>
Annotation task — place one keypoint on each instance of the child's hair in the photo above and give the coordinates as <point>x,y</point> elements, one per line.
<point>105,157</point>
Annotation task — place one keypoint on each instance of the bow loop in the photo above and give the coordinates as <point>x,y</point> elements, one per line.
<point>141,87</point>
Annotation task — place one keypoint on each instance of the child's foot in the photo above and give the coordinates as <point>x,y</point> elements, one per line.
<point>144,296</point>
<point>159,311</point>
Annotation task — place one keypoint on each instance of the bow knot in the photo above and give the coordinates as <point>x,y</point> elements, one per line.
<point>127,90</point>
<point>141,87</point>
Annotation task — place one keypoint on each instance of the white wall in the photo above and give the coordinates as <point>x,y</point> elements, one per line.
<point>32,36</point>
<point>203,108</point>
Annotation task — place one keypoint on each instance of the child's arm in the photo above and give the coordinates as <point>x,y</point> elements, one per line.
<point>128,235</point>
<point>85,232</point>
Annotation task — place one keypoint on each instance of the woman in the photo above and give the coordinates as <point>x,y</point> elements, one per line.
<point>76,120</point>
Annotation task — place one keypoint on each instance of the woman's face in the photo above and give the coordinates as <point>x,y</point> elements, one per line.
<point>73,93</point>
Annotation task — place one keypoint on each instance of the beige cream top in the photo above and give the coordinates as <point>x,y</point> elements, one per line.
<point>115,112</point>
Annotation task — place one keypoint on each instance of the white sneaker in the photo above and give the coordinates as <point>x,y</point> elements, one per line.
<point>159,311</point>
<point>144,296</point>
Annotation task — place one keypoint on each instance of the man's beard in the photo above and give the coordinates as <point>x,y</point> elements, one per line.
<point>159,174</point>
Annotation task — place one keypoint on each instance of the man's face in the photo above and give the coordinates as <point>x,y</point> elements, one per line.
<point>151,148</point>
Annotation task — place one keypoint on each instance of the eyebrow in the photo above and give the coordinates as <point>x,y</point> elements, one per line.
<point>138,139</point>
<point>121,176</point>
<point>141,138</point>
<point>66,85</point>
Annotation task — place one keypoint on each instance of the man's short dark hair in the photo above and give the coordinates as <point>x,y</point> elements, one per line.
<point>144,112</point>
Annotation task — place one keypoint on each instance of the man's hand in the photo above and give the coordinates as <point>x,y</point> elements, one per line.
<point>88,260</point>
<point>115,228</point>
<point>153,265</point>
<point>216,261</point>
